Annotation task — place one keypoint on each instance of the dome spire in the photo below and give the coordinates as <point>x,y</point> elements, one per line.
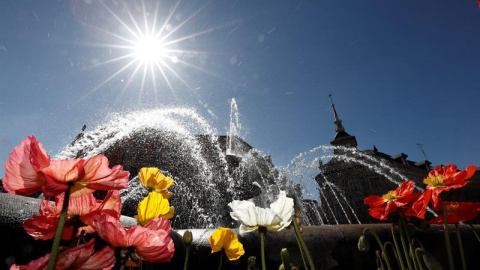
<point>338,121</point>
<point>342,138</point>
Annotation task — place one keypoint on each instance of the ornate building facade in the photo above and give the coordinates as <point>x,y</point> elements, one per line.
<point>352,175</point>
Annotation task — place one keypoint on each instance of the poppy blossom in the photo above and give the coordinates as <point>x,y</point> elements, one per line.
<point>457,212</point>
<point>152,206</point>
<point>276,218</point>
<point>23,170</point>
<point>86,176</point>
<point>76,258</point>
<point>151,242</point>
<point>80,214</point>
<point>445,178</point>
<point>154,180</point>
<point>226,239</point>
<point>400,198</point>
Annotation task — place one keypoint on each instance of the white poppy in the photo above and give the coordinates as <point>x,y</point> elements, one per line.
<point>275,218</point>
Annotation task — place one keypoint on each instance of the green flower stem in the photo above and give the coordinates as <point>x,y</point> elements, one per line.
<point>122,267</point>
<point>187,256</point>
<point>397,247</point>
<point>475,232</point>
<point>460,247</point>
<point>385,255</point>
<point>221,259</point>
<point>418,261</point>
<point>301,251</point>
<point>262,231</point>
<point>286,259</point>
<point>447,238</point>
<point>418,253</point>
<point>380,260</point>
<point>415,240</point>
<point>298,234</point>
<point>403,234</point>
<point>58,233</point>
<point>414,258</point>
<point>390,244</point>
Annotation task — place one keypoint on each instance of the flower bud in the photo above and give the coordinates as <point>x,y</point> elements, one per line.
<point>431,262</point>
<point>363,243</point>
<point>285,259</point>
<point>187,237</point>
<point>252,262</point>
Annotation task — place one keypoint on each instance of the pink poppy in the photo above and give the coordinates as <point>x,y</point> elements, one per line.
<point>81,257</point>
<point>80,214</point>
<point>151,243</point>
<point>86,176</point>
<point>23,175</point>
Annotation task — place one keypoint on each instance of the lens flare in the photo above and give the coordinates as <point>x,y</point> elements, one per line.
<point>146,49</point>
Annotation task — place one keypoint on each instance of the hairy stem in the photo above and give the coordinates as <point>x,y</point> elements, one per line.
<point>187,256</point>
<point>221,259</point>
<point>58,233</point>
<point>298,234</point>
<point>263,231</point>
<point>397,247</point>
<point>384,254</point>
<point>447,238</point>
<point>460,247</point>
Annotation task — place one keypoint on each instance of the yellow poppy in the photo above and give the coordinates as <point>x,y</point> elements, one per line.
<point>154,205</point>
<point>226,239</point>
<point>154,180</point>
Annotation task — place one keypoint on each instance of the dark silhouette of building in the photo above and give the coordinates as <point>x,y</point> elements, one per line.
<point>352,175</point>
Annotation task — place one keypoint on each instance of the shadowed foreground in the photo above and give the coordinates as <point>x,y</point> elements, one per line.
<point>331,246</point>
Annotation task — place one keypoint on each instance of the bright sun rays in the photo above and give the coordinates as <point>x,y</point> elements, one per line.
<point>147,46</point>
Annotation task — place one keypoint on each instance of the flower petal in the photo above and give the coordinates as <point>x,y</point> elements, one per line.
<point>23,174</point>
<point>283,206</point>
<point>152,206</point>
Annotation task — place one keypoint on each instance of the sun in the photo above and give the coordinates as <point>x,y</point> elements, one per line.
<point>149,50</point>
<point>144,47</point>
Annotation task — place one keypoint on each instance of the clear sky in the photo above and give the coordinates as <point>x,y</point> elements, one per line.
<point>401,72</point>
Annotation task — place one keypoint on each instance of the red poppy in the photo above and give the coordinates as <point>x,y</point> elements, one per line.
<point>23,175</point>
<point>87,175</point>
<point>444,178</point>
<point>80,214</point>
<point>151,243</point>
<point>400,198</point>
<point>77,258</point>
<point>457,212</point>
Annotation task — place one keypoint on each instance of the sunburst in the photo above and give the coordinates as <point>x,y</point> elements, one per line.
<point>145,48</point>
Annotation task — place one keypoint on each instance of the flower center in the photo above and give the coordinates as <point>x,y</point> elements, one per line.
<point>451,208</point>
<point>434,181</point>
<point>390,196</point>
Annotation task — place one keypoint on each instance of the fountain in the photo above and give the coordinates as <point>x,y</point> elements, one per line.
<point>211,170</point>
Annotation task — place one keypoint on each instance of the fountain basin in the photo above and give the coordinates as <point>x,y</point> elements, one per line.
<point>331,246</point>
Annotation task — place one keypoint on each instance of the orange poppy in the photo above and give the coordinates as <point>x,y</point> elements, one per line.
<point>400,198</point>
<point>457,212</point>
<point>444,178</point>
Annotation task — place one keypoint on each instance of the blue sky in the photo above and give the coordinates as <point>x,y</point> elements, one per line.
<point>401,73</point>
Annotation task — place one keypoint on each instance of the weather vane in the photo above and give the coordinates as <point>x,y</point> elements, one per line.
<point>420,145</point>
